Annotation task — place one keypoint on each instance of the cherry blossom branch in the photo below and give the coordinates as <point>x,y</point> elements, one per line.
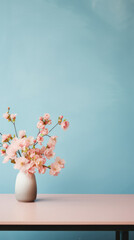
<point>47,135</point>
<point>19,153</point>
<point>1,143</point>
<point>15,129</point>
<point>47,166</point>
<point>43,136</point>
<point>16,135</point>
<point>53,127</point>
<point>36,137</point>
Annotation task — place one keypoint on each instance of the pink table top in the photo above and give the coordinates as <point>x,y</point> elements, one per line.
<point>68,209</point>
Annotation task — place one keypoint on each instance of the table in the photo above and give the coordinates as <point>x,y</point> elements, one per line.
<point>69,212</point>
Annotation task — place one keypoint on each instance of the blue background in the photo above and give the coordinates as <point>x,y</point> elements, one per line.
<point>75,58</point>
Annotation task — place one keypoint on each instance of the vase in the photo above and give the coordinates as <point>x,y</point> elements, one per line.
<point>25,187</point>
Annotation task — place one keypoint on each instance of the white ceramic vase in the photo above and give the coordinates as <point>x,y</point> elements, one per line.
<point>25,187</point>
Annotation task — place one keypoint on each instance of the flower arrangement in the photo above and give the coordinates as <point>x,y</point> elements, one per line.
<point>23,152</point>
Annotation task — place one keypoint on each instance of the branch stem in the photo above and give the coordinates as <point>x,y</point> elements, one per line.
<point>0,143</point>
<point>47,135</point>
<point>16,136</point>
<point>15,129</point>
<point>53,127</point>
<point>47,167</point>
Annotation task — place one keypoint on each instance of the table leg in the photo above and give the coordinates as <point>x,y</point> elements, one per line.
<point>124,235</point>
<point>117,235</point>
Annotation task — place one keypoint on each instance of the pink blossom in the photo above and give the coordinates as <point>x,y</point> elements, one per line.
<point>5,145</point>
<point>60,119</point>
<point>13,116</point>
<point>3,152</point>
<point>6,159</point>
<point>52,142</point>
<point>6,137</point>
<point>49,122</point>
<point>55,169</point>
<point>26,142</point>
<point>11,152</point>
<point>21,164</point>
<point>31,170</point>
<point>40,118</point>
<point>49,153</point>
<point>36,157</point>
<point>65,125</point>
<point>40,125</point>
<point>30,153</point>
<point>6,115</point>
<point>40,161</point>
<point>40,139</point>
<point>31,167</point>
<point>40,165</point>
<point>42,150</point>
<point>13,148</point>
<point>22,133</point>
<point>42,169</point>
<point>30,140</point>
<point>46,116</point>
<point>44,131</point>
<point>60,161</point>
<point>37,151</point>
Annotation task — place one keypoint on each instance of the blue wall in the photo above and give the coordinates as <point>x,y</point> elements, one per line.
<point>76,58</point>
